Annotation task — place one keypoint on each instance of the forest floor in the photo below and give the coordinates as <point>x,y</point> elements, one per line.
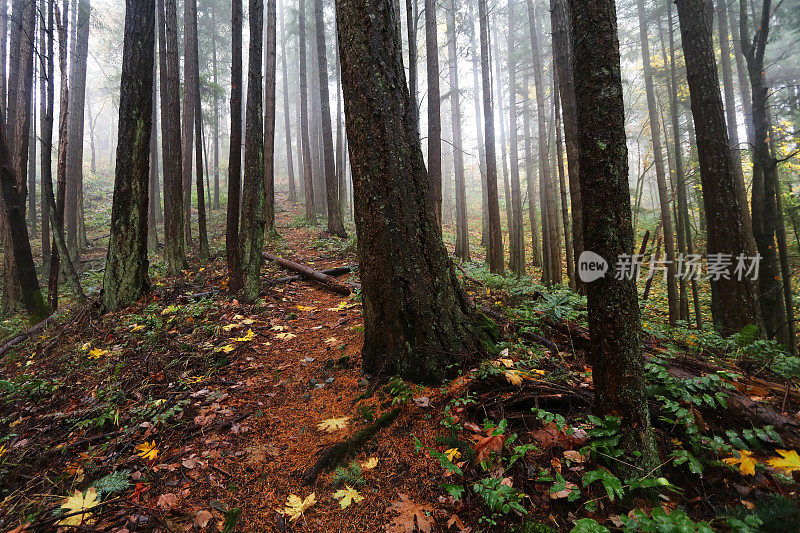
<point>191,411</point>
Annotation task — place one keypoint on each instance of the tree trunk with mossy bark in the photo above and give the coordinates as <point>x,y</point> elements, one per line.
<point>233,257</point>
<point>614,327</point>
<point>417,321</point>
<point>125,278</point>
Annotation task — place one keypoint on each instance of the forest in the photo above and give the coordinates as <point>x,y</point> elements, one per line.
<point>400,266</point>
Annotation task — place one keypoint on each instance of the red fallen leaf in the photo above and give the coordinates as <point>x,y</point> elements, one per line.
<point>549,436</point>
<point>486,445</point>
<point>411,517</point>
<point>202,518</point>
<point>473,427</point>
<point>138,490</point>
<point>456,521</point>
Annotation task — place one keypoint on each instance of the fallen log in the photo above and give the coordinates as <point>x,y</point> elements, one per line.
<point>25,334</point>
<point>305,271</point>
<point>339,451</point>
<point>337,271</point>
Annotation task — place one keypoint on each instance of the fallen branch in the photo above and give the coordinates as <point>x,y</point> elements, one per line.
<point>315,275</point>
<point>517,328</point>
<point>338,271</point>
<point>336,453</point>
<point>25,334</point>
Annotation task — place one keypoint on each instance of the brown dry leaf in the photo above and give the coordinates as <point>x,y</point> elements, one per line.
<point>411,517</point>
<point>486,445</point>
<point>167,501</point>
<point>563,493</point>
<point>191,462</point>
<point>202,518</point>
<point>456,521</point>
<point>549,436</point>
<point>574,456</point>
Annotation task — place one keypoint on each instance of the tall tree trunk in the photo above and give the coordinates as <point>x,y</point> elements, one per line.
<point>434,109</point>
<point>738,306</point>
<point>658,157</point>
<point>495,253</point>
<point>765,179</point>
<point>411,24</point>
<point>551,240</point>
<point>335,221</point>
<point>462,230</point>
<point>169,73</point>
<point>614,327</point>
<point>741,73</point>
<point>202,232</point>
<point>308,181</point>
<point>476,90</point>
<point>190,100</point>
<point>515,225</point>
<point>286,117</point>
<point>417,328</point>
<point>683,203</point>
<point>46,97</point>
<point>216,106</point>
<point>341,176</point>
<point>530,177</point>
<point>253,222</point>
<point>562,181</point>
<point>4,57</point>
<point>75,126</point>
<point>562,51</point>
<point>125,277</point>
<point>270,106</point>
<point>730,110</point>
<point>501,116</point>
<point>232,254</point>
<point>31,211</point>
<point>152,206</point>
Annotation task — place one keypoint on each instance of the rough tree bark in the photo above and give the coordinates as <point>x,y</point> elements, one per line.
<point>46,97</point>
<point>252,232</point>
<point>335,221</point>
<point>232,254</point>
<point>270,105</point>
<point>190,100</point>
<point>614,327</point>
<point>411,24</point>
<point>416,319</point>
<point>476,89</point>
<point>125,278</point>
<point>738,306</point>
<point>169,73</point>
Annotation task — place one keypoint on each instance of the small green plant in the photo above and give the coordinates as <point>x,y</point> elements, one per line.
<point>500,498</point>
<point>399,391</point>
<point>113,482</point>
<point>351,474</point>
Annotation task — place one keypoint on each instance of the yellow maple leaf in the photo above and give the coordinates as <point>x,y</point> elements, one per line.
<point>306,308</point>
<point>370,463</point>
<point>508,363</point>
<point>229,327</point>
<point>97,353</point>
<point>515,377</point>
<point>285,336</point>
<point>333,424</point>
<point>347,496</point>
<point>278,328</point>
<point>452,453</point>
<point>147,450</point>
<point>295,505</point>
<point>169,309</point>
<point>248,321</point>
<point>331,340</point>
<point>79,502</point>
<point>745,462</point>
<point>250,335</point>
<point>228,348</point>
<point>85,346</point>
<point>137,327</point>
<point>789,463</point>
<point>3,450</point>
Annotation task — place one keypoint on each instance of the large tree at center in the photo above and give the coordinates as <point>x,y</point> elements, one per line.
<point>416,318</point>
<point>125,277</point>
<point>614,327</point>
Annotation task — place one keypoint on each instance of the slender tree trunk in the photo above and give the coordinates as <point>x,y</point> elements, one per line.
<point>462,230</point>
<point>617,362</point>
<point>335,221</point>
<point>658,157</point>
<point>417,328</point>
<point>562,180</point>
<point>253,208</point>
<point>341,177</point>
<point>31,211</point>
<point>434,109</point>
<point>75,126</point>
<point>125,277</point>
<point>4,56</point>
<point>530,177</point>
<point>478,124</point>
<point>232,254</point>
<point>765,179</point>
<point>152,207</point>
<point>741,73</point>
<point>202,232</point>
<point>216,106</point>
<point>726,235</point>
<point>308,182</point>
<point>551,240</point>
<point>190,100</point>
<point>562,50</point>
<point>411,24</point>
<point>169,72</point>
<point>286,117</point>
<point>516,240</point>
<point>46,97</point>
<point>501,116</point>
<point>270,106</point>
<point>495,253</point>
